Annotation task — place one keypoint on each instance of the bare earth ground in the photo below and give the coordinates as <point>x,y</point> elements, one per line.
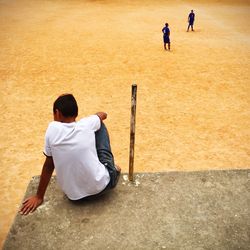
<point>193,102</point>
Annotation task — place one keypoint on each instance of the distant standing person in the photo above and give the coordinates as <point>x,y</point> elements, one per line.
<point>191,18</point>
<point>166,35</point>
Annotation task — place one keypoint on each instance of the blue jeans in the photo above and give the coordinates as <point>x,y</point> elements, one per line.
<point>105,155</point>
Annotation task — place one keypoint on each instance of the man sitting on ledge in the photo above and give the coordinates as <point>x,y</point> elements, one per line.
<point>79,151</point>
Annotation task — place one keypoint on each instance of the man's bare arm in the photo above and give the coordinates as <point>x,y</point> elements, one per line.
<point>102,115</point>
<point>30,204</point>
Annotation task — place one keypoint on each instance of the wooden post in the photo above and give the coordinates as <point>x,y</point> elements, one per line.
<point>132,132</point>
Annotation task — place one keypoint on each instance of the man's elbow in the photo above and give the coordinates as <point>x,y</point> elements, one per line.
<point>102,115</point>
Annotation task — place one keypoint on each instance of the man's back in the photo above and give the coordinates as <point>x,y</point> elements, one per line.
<point>72,146</point>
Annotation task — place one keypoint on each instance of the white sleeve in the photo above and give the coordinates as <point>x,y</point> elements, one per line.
<point>93,122</point>
<point>47,148</point>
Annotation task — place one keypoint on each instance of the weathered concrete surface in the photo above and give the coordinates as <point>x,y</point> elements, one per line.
<point>173,210</point>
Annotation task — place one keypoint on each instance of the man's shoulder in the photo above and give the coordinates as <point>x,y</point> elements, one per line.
<point>54,124</point>
<point>88,118</point>
<point>53,127</point>
<point>90,122</point>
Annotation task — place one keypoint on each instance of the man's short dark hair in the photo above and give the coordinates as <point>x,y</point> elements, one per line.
<point>67,105</point>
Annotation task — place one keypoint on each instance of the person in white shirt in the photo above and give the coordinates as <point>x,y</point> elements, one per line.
<point>79,152</point>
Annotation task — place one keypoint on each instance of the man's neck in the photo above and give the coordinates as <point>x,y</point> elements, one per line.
<point>68,119</point>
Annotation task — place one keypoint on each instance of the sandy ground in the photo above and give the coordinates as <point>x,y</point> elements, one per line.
<point>193,102</point>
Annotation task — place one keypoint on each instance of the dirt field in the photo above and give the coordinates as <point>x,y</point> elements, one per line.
<point>193,102</point>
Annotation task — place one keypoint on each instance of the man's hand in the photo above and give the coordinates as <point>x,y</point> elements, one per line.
<point>30,205</point>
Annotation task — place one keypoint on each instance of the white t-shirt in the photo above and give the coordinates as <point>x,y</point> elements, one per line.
<point>72,146</point>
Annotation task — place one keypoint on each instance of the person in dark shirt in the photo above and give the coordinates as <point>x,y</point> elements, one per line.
<point>191,18</point>
<point>166,34</point>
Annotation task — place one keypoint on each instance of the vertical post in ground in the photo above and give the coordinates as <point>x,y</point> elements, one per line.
<point>132,132</point>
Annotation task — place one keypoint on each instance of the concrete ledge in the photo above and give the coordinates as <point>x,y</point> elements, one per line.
<point>171,210</point>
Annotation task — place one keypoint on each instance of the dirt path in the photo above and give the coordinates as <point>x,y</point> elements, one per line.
<point>193,102</point>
